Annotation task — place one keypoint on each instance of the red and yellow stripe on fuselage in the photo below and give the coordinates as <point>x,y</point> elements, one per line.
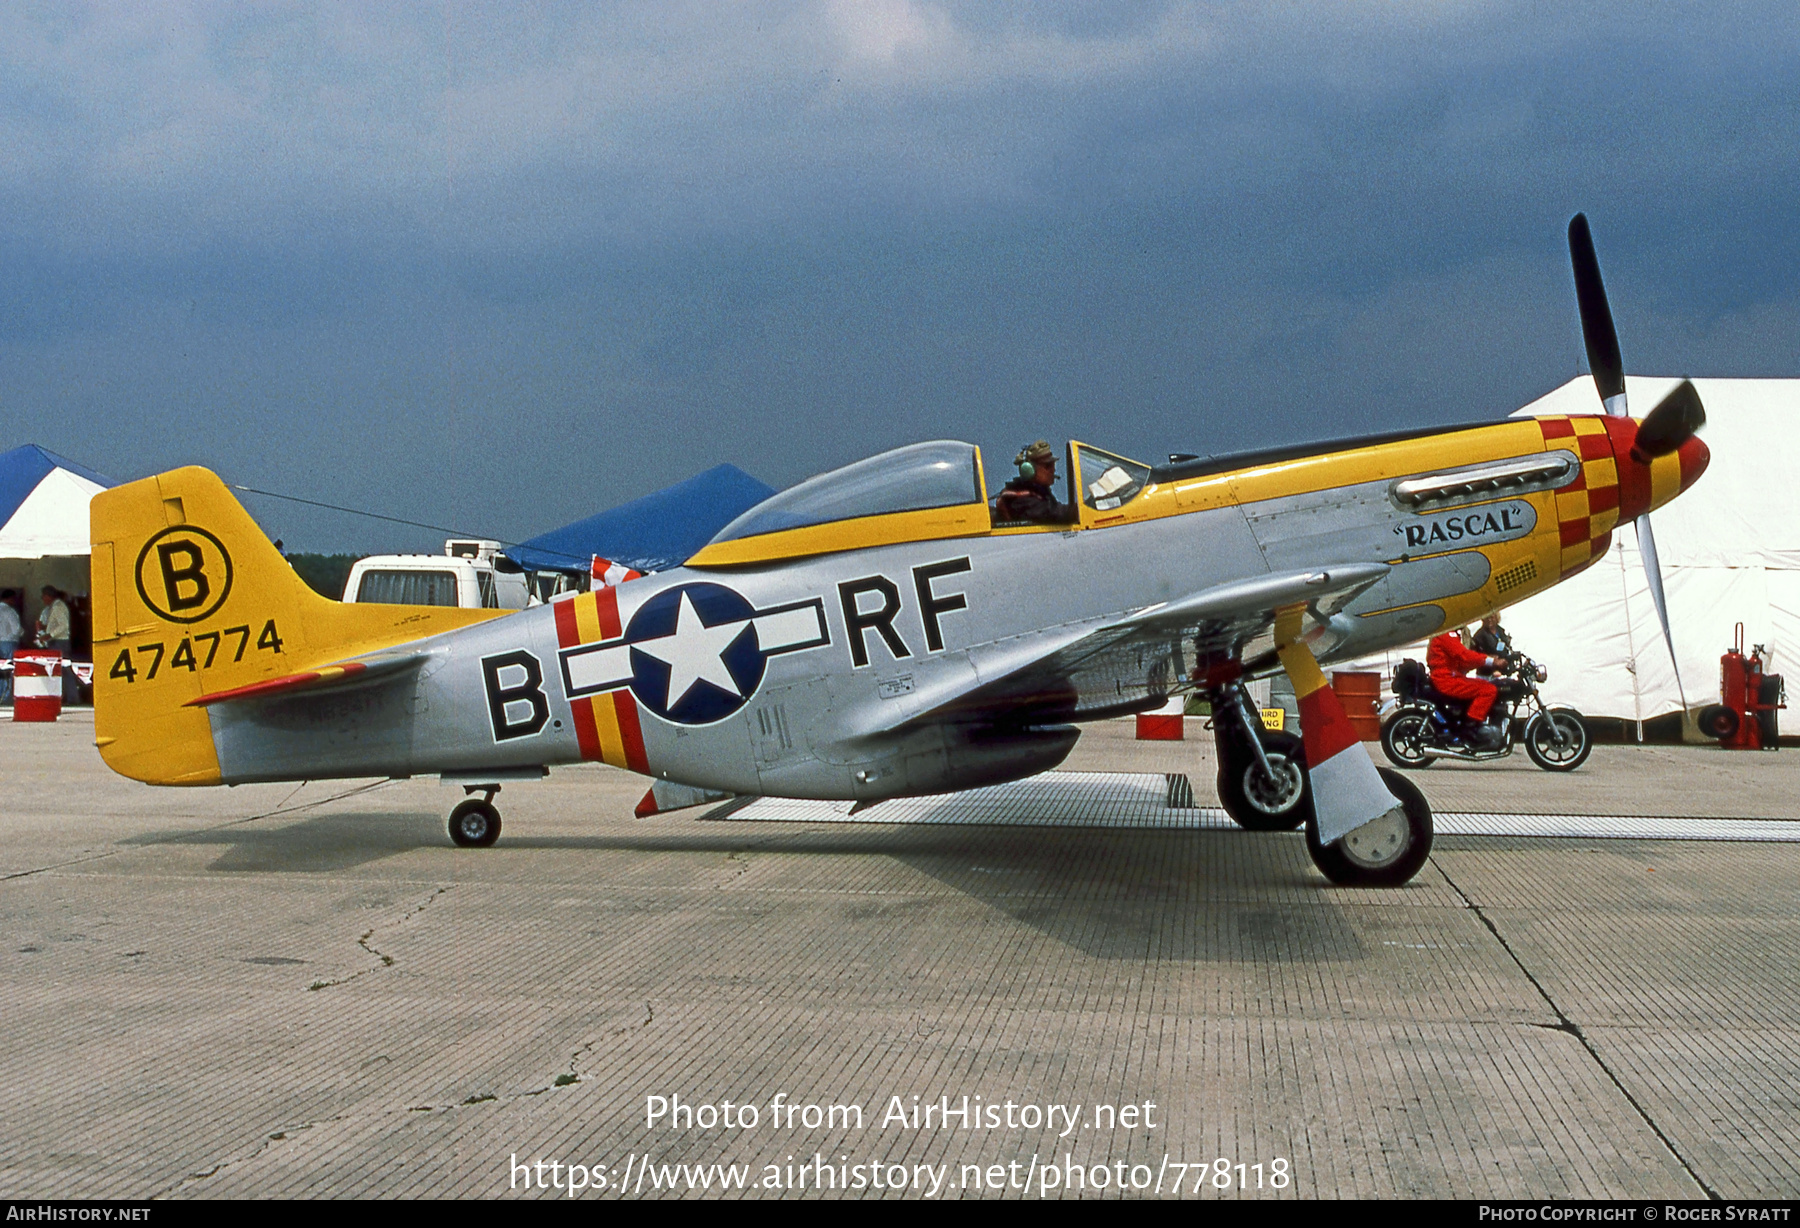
<point>607,727</point>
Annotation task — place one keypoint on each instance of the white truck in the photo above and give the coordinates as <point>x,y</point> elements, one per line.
<point>464,575</point>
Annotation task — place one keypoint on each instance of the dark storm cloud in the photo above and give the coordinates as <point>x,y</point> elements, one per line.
<point>499,271</point>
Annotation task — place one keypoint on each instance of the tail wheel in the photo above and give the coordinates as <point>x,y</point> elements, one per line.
<point>1404,739</point>
<point>475,824</point>
<point>1384,853</point>
<point>1557,740</point>
<point>1257,802</point>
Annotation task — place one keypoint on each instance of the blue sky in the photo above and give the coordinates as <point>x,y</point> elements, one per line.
<point>500,268</point>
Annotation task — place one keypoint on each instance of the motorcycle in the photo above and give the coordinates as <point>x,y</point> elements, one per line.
<point>1425,725</point>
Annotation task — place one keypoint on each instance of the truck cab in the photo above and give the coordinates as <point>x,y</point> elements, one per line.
<point>464,575</point>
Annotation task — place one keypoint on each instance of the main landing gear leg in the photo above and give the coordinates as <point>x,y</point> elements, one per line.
<point>475,824</point>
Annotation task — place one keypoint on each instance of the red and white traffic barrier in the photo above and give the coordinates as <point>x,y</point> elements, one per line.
<point>37,682</point>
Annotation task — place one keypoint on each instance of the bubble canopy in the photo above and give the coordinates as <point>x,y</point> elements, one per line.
<point>919,477</point>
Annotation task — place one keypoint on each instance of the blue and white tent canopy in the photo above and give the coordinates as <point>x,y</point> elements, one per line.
<point>44,504</point>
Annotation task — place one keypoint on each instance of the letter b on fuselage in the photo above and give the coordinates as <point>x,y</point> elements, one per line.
<point>515,694</point>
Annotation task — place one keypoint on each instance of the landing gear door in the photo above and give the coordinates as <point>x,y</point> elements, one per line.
<point>1104,484</point>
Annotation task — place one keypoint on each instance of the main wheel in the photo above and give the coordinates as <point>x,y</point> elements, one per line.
<point>1405,737</point>
<point>1545,748</point>
<point>1385,853</point>
<point>475,824</point>
<point>1256,802</point>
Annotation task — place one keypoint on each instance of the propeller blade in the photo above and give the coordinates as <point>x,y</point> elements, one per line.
<point>1671,424</point>
<point>1596,319</point>
<point>1653,573</point>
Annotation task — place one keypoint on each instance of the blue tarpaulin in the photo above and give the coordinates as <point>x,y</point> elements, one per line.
<point>654,533</point>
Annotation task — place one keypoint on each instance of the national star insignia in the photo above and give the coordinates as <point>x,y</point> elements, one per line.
<point>694,653</point>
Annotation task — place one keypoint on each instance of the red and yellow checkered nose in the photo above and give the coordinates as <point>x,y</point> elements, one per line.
<point>1614,486</point>
<point>1693,457</point>
<point>1589,507</point>
<point>1646,483</point>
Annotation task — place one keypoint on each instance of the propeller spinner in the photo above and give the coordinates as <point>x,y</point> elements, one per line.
<point>1668,426</point>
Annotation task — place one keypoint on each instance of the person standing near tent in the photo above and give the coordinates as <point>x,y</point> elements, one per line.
<point>55,632</point>
<point>11,628</point>
<point>1492,637</point>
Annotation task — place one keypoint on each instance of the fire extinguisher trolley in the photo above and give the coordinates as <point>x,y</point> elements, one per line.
<point>1744,719</point>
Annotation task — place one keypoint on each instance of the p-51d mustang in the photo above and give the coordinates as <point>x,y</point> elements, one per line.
<point>873,633</point>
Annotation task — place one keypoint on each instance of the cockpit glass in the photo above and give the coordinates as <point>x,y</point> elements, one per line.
<point>1109,481</point>
<point>943,473</point>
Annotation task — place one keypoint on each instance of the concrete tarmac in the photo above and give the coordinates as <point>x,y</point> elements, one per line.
<point>305,992</point>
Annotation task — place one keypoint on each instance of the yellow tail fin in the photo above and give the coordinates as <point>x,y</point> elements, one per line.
<point>190,598</point>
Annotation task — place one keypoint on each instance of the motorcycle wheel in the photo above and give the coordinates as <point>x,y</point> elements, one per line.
<point>1541,744</point>
<point>1404,738</point>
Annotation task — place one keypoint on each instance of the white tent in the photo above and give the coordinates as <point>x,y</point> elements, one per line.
<point>1730,551</point>
<point>44,523</point>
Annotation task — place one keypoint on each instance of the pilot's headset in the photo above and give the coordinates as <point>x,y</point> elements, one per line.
<point>1028,457</point>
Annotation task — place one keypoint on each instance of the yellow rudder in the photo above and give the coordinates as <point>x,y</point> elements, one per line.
<point>190,598</point>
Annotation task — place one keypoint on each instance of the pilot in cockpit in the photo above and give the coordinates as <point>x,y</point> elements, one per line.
<point>1031,495</point>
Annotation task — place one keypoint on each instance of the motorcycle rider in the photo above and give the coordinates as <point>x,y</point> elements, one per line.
<point>1450,660</point>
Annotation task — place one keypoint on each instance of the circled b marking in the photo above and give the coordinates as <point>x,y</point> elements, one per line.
<point>184,574</point>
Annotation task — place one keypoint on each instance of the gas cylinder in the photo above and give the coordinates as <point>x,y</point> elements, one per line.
<point>1735,693</point>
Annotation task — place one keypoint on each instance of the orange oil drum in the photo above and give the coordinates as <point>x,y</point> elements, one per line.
<point>1360,693</point>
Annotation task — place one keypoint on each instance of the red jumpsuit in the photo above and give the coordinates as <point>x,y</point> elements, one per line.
<point>1449,663</point>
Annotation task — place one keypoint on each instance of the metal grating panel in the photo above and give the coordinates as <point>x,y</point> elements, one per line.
<point>1617,827</point>
<point>1053,799</point>
<point>1142,800</point>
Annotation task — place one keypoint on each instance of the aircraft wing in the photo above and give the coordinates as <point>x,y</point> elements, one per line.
<point>1132,661</point>
<point>327,677</point>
